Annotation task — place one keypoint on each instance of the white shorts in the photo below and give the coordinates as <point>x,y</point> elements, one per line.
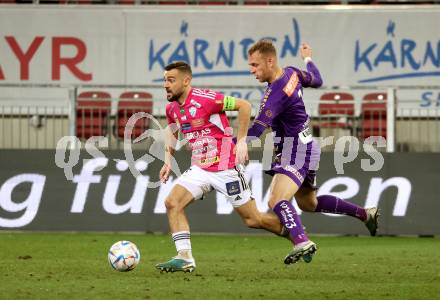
<point>230,183</point>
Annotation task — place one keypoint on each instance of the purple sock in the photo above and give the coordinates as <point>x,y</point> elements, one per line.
<point>290,219</point>
<point>335,205</point>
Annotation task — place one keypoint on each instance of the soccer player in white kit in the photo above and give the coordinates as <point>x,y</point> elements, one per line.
<point>216,160</point>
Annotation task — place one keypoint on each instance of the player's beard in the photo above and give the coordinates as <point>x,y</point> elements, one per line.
<point>175,97</point>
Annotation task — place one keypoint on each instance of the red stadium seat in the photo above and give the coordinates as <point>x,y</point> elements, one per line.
<point>92,112</point>
<point>374,115</point>
<point>129,104</point>
<point>336,110</point>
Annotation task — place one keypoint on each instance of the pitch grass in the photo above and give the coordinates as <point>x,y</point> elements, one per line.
<point>74,266</point>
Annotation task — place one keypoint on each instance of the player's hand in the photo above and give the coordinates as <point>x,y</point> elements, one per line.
<point>241,152</point>
<point>305,50</point>
<point>164,173</point>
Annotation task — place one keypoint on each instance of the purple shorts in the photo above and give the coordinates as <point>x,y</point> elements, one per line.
<point>300,166</point>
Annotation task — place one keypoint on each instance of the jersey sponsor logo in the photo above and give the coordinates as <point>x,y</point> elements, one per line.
<point>195,103</point>
<point>183,118</point>
<point>305,136</point>
<point>198,122</point>
<point>290,86</point>
<point>208,161</point>
<point>233,188</point>
<point>294,171</point>
<point>197,134</point>
<point>204,148</point>
<point>192,111</point>
<point>288,216</point>
<point>186,126</point>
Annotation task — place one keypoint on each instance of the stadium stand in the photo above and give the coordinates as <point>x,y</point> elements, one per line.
<point>373,118</point>
<point>92,114</point>
<point>336,110</point>
<point>130,103</point>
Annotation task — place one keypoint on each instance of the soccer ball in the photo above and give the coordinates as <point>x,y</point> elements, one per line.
<point>123,256</point>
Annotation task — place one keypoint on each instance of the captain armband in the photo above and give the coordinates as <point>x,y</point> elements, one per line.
<point>229,103</point>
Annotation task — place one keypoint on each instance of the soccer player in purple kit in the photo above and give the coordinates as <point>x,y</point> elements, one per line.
<point>297,154</point>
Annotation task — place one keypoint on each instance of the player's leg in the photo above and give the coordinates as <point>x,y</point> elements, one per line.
<point>175,203</point>
<point>282,190</point>
<point>308,201</point>
<point>188,187</point>
<point>233,184</point>
<point>255,219</point>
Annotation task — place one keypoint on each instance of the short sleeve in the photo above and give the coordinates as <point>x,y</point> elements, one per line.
<point>216,105</point>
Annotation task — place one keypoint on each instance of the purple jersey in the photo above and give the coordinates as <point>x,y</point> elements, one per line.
<point>282,109</point>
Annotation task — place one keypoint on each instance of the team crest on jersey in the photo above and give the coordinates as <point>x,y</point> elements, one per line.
<point>268,113</point>
<point>290,87</point>
<point>192,111</point>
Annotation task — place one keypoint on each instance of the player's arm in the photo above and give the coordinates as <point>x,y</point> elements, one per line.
<point>170,148</point>
<point>171,135</point>
<point>311,77</point>
<point>269,109</point>
<point>244,115</point>
<point>170,143</point>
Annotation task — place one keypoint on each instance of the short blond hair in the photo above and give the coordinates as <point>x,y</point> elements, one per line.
<point>263,46</point>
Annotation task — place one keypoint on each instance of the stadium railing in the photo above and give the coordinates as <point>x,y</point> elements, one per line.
<point>38,116</point>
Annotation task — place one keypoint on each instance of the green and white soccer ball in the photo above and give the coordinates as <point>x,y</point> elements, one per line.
<point>124,256</point>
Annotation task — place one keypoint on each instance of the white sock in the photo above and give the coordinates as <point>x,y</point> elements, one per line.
<point>182,240</point>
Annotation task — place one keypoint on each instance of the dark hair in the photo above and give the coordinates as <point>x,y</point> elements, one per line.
<point>263,46</point>
<point>181,66</point>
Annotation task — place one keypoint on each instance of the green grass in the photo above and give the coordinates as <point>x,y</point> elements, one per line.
<point>74,266</point>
